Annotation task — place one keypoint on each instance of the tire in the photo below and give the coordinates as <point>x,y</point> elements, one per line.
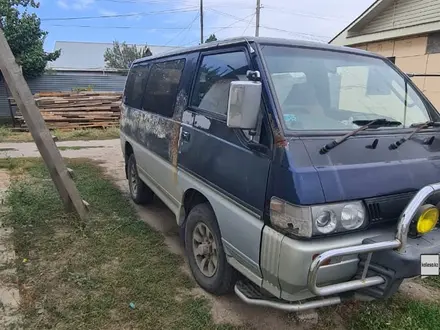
<point>139,191</point>
<point>223,279</point>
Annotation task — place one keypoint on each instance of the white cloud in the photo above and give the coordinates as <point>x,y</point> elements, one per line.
<point>316,20</point>
<point>82,4</point>
<point>105,12</point>
<point>75,4</point>
<point>63,4</point>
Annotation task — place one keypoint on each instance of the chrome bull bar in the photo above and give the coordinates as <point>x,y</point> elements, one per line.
<point>399,243</point>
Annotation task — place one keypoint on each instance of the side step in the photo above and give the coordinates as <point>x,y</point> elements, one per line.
<point>252,295</point>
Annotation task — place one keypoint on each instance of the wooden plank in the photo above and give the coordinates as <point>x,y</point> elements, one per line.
<point>72,109</point>
<point>79,113</point>
<point>90,103</point>
<point>59,100</point>
<point>70,120</point>
<point>76,94</point>
<point>40,133</point>
<point>82,109</point>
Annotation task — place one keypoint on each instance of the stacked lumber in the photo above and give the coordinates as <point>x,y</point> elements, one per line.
<point>72,110</point>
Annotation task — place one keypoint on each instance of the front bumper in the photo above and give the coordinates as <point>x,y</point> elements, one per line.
<point>394,266</point>
<point>384,261</point>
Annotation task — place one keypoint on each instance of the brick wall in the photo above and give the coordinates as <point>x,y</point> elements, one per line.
<point>411,57</point>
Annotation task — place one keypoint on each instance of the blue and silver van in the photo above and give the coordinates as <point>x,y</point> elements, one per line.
<point>300,174</point>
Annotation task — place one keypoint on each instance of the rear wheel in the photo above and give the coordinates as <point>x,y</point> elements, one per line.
<point>204,249</point>
<point>139,192</point>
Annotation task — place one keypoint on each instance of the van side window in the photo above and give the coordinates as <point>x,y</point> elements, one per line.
<point>211,90</point>
<point>134,88</point>
<point>161,90</point>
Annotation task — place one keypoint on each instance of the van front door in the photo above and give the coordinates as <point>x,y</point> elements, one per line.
<point>223,160</point>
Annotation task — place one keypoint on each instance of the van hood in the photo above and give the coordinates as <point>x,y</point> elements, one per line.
<point>354,170</point>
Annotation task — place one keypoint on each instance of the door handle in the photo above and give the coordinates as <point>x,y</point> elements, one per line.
<point>186,136</point>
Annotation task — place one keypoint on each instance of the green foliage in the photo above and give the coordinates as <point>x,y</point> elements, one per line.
<point>121,55</point>
<point>26,39</point>
<point>211,38</point>
<point>433,281</point>
<point>89,88</point>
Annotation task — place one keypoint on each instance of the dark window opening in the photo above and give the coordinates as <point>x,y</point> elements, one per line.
<point>433,46</point>
<point>135,85</point>
<point>392,59</point>
<point>162,87</point>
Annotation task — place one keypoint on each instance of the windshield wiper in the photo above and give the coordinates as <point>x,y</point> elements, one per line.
<point>419,127</point>
<point>365,124</point>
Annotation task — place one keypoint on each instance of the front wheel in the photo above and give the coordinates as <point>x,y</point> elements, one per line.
<point>204,249</point>
<point>139,192</point>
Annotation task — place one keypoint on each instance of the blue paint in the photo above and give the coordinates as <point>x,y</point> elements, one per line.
<point>351,171</point>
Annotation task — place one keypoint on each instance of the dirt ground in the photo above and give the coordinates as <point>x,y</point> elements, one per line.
<point>224,309</point>
<point>9,293</point>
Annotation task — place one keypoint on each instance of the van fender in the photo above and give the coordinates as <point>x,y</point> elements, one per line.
<point>240,228</point>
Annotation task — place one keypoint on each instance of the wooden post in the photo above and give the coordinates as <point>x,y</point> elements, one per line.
<point>40,133</point>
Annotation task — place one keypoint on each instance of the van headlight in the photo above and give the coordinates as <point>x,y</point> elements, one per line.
<point>326,221</point>
<point>352,216</point>
<point>308,221</point>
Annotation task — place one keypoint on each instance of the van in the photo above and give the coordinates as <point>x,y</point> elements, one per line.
<point>300,173</point>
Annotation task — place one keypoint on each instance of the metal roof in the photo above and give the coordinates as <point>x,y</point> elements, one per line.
<point>89,56</point>
<point>257,40</point>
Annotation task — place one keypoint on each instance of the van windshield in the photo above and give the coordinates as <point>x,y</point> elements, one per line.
<point>327,90</point>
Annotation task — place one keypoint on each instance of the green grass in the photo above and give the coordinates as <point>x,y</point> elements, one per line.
<point>85,278</point>
<point>432,281</point>
<point>4,132</point>
<point>398,313</point>
<point>6,121</point>
<point>7,135</point>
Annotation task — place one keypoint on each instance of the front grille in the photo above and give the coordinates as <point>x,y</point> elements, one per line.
<point>387,208</point>
<point>374,210</point>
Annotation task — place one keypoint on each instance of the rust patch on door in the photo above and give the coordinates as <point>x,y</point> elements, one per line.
<point>173,148</point>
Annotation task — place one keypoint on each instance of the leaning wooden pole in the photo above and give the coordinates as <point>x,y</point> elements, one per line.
<point>40,133</point>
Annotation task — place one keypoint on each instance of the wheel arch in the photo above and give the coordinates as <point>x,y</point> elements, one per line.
<point>191,198</point>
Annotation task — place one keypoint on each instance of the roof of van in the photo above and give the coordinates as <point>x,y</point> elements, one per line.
<point>258,40</point>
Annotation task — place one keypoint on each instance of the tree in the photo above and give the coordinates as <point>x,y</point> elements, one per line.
<point>212,37</point>
<point>26,39</point>
<point>121,55</point>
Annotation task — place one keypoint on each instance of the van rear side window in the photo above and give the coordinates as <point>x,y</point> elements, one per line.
<point>134,88</point>
<point>161,90</point>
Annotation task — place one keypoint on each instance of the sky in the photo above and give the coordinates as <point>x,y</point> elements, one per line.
<point>177,23</point>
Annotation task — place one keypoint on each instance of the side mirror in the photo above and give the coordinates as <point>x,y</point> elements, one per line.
<point>244,104</point>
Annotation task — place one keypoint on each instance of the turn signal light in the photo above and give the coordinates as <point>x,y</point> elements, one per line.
<point>325,263</point>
